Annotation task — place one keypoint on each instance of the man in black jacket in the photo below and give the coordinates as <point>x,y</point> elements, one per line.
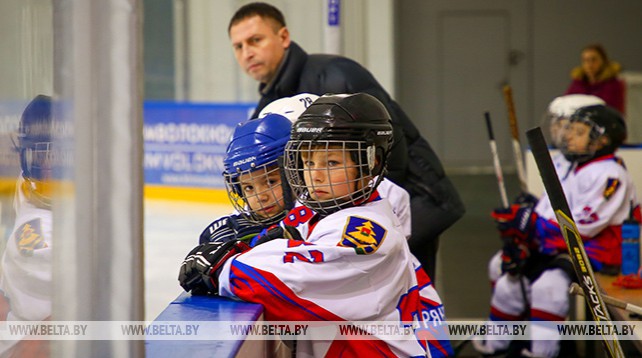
<point>262,47</point>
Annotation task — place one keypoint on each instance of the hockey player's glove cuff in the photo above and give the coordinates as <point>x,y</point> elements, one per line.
<point>230,228</point>
<point>200,269</point>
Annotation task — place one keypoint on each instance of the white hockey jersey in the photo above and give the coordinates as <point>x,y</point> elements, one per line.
<point>601,195</point>
<point>354,265</point>
<point>400,201</point>
<point>26,263</point>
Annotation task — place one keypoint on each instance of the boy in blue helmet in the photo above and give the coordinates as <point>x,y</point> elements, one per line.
<point>25,266</point>
<point>253,180</point>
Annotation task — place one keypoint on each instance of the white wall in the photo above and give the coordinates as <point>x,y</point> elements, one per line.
<point>27,49</point>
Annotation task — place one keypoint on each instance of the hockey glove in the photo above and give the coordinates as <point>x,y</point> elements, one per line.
<point>518,221</point>
<point>514,255</point>
<point>276,232</point>
<point>200,269</point>
<point>227,228</point>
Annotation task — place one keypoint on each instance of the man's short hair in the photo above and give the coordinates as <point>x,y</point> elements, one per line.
<point>265,11</point>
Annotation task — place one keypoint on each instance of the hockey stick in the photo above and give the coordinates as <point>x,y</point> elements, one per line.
<point>517,147</point>
<point>502,189</point>
<point>572,237</point>
<point>496,163</point>
<point>611,301</point>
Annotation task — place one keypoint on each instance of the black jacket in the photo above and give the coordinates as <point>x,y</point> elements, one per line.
<point>412,163</point>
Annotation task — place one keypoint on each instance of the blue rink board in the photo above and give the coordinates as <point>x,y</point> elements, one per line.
<point>189,308</point>
<point>185,142</point>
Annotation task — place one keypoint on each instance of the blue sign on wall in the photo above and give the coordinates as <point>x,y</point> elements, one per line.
<point>185,142</point>
<point>334,11</point>
<point>10,112</point>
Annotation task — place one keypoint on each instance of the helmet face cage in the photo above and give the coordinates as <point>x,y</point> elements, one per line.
<point>556,127</point>
<point>560,111</point>
<point>258,193</point>
<point>603,123</point>
<point>594,133</point>
<point>36,161</point>
<point>325,187</point>
<point>606,131</point>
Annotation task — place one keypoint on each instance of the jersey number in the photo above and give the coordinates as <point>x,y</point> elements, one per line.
<point>315,256</point>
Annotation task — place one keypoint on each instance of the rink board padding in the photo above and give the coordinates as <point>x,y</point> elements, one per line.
<point>188,308</point>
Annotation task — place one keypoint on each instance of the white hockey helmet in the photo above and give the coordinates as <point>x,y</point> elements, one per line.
<point>560,111</point>
<point>290,107</point>
<point>565,106</point>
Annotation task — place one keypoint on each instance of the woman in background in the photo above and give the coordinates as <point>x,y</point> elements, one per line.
<point>598,76</point>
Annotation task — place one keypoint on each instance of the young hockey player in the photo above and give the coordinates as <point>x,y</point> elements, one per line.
<point>557,119</point>
<point>253,155</point>
<point>600,194</point>
<point>25,268</point>
<point>253,180</point>
<point>347,258</point>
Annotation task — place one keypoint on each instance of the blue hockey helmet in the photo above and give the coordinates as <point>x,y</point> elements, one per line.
<point>34,145</point>
<point>252,172</point>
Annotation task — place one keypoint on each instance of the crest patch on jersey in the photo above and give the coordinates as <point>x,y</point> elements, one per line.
<point>364,235</point>
<point>612,184</point>
<point>29,237</point>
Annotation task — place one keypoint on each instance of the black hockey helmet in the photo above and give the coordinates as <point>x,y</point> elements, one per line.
<point>358,124</point>
<point>603,121</point>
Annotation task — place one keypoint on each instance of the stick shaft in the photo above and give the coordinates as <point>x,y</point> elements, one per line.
<point>514,130</point>
<point>496,163</point>
<point>572,237</point>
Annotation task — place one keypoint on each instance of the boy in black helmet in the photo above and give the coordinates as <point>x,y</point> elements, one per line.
<point>347,258</point>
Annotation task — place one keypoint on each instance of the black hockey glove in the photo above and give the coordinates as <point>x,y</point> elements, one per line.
<point>200,269</point>
<point>518,221</point>
<point>228,228</point>
<point>276,232</point>
<point>515,254</point>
